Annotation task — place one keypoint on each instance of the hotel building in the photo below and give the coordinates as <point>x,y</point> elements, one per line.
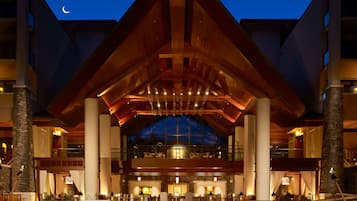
<point>178,100</point>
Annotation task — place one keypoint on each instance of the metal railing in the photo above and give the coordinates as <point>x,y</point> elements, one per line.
<point>185,152</point>
<point>181,152</point>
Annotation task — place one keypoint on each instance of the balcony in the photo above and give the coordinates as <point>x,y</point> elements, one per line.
<point>188,159</point>
<point>187,152</point>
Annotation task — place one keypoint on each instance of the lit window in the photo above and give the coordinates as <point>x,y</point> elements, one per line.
<point>178,152</point>
<point>327,19</point>
<point>326,58</point>
<point>4,147</point>
<point>323,96</point>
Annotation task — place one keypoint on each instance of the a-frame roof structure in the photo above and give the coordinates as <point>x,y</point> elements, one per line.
<point>178,57</point>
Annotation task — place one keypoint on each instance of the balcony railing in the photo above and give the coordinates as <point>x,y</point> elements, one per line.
<point>185,152</point>
<point>180,152</point>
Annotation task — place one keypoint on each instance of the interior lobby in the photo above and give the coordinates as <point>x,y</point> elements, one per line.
<point>178,101</point>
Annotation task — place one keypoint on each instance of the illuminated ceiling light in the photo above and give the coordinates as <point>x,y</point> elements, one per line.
<point>190,93</point>
<point>177,180</point>
<point>207,93</point>
<point>198,92</point>
<point>2,89</point>
<point>165,93</point>
<point>196,104</point>
<point>214,178</point>
<point>214,93</point>
<point>285,181</point>
<point>102,93</point>
<point>181,94</point>
<point>173,93</point>
<point>57,131</point>
<point>141,92</point>
<point>297,132</point>
<point>158,105</point>
<point>149,92</point>
<point>354,89</point>
<point>139,178</point>
<point>157,93</point>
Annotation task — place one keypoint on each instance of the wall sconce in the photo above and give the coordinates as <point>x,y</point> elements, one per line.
<point>241,196</point>
<point>273,195</point>
<point>177,180</point>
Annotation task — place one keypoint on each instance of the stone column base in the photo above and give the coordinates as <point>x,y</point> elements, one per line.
<point>26,196</point>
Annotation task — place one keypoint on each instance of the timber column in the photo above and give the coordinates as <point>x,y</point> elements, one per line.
<point>23,179</point>
<point>332,145</point>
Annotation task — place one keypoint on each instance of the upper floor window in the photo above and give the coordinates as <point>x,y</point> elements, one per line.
<point>173,130</point>
<point>326,58</point>
<point>326,20</point>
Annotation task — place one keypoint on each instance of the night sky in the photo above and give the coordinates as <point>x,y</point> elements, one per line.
<point>114,9</point>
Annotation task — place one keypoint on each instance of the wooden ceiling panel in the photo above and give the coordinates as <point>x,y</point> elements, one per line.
<point>127,82</point>
<point>210,40</point>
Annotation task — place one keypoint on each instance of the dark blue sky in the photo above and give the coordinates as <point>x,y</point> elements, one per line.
<point>114,9</point>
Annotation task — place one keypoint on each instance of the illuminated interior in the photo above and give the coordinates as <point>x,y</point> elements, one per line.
<point>177,189</point>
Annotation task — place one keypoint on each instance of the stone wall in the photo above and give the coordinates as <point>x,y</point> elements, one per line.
<point>5,180</point>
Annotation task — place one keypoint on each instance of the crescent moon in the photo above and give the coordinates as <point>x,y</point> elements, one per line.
<point>64,11</point>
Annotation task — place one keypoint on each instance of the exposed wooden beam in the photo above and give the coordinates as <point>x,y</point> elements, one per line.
<point>177,20</point>
<point>134,67</point>
<point>126,118</point>
<point>135,98</point>
<point>170,75</point>
<point>189,112</point>
<point>218,64</point>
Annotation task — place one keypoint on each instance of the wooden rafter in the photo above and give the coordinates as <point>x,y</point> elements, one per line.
<point>177,19</point>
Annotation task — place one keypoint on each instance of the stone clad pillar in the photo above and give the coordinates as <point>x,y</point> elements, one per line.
<point>249,154</point>
<point>91,180</point>
<point>332,144</point>
<point>105,154</point>
<point>22,156</point>
<point>23,143</point>
<point>263,149</point>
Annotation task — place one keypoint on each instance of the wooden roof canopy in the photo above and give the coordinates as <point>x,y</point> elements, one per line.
<point>178,57</point>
